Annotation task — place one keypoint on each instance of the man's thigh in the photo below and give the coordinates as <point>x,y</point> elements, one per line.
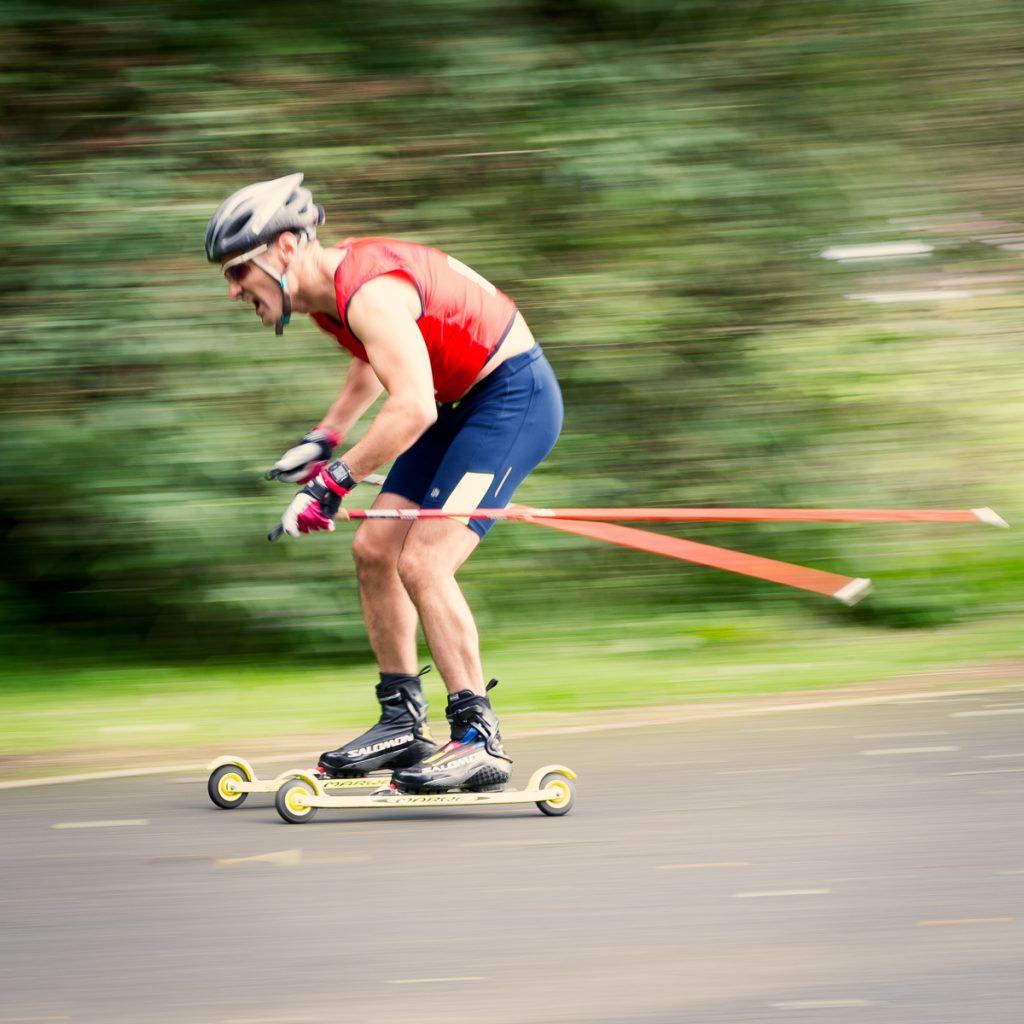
<point>503,434</point>
<point>438,546</point>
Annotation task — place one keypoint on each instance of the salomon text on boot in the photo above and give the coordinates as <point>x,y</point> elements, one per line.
<point>400,739</point>
<point>474,758</point>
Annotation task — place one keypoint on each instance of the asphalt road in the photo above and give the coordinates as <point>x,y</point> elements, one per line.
<point>861,864</point>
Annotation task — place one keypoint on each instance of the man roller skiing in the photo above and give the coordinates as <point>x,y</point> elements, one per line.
<point>472,407</point>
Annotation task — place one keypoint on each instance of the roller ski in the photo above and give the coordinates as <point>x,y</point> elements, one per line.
<point>470,770</point>
<point>302,795</point>
<point>399,739</point>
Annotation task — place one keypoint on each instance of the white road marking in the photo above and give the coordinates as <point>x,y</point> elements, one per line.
<point>758,894</point>
<point>758,771</point>
<point>1011,709</point>
<point>791,728</point>
<point>1015,871</point>
<point>977,696</point>
<point>871,878</point>
<point>29,1020</point>
<point>488,843</point>
<point>997,757</point>
<point>822,1004</point>
<point>707,864</point>
<point>666,764</point>
<point>663,716</point>
<point>518,888</point>
<point>278,857</point>
<point>899,735</point>
<point>989,771</point>
<point>273,1020</point>
<point>952,921</point>
<point>121,773</point>
<point>882,751</point>
<point>113,823</point>
<point>289,858</point>
<point>433,981</point>
<point>681,715</point>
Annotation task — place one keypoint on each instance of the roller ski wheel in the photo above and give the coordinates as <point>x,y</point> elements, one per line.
<point>564,794</point>
<point>224,786</point>
<point>291,801</point>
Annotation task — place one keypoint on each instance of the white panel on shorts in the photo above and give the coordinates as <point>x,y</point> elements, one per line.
<point>469,492</point>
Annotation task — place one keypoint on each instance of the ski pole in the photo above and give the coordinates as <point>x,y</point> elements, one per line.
<point>689,515</point>
<point>847,589</point>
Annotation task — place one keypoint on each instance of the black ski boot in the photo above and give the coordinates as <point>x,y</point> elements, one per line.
<point>401,737</point>
<point>473,760</point>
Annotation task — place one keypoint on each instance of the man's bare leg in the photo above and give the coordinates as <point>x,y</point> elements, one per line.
<point>401,737</point>
<point>433,552</point>
<point>475,758</point>
<point>388,611</point>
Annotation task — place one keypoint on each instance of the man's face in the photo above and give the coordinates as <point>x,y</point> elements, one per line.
<point>249,283</point>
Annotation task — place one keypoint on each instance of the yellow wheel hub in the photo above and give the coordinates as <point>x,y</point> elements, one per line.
<point>563,794</point>
<point>296,800</point>
<point>227,785</point>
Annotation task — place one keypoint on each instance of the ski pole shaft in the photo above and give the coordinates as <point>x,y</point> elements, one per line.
<point>847,589</point>
<point>682,515</point>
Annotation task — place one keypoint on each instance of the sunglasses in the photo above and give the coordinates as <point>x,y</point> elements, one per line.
<point>237,272</point>
<point>236,268</point>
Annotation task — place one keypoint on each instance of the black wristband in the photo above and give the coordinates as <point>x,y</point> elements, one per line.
<point>341,474</point>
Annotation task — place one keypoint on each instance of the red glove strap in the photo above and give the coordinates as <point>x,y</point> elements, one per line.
<point>332,435</point>
<point>333,485</point>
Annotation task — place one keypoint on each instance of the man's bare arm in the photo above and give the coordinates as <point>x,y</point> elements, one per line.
<point>360,391</point>
<point>383,315</point>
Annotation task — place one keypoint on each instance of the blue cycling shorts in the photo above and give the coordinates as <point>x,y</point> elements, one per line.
<point>482,447</point>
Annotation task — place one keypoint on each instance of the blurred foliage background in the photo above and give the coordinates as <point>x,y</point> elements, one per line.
<point>654,181</point>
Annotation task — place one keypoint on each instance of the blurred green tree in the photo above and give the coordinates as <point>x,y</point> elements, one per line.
<point>653,181</point>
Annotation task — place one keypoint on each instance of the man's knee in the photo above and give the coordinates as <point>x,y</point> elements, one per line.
<point>433,552</point>
<point>376,546</point>
<point>416,568</point>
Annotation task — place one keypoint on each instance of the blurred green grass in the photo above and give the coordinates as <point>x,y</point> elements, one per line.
<point>107,715</point>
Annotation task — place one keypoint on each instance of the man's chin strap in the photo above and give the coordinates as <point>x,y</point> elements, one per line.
<point>282,280</point>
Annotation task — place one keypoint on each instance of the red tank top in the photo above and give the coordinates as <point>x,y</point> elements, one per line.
<point>464,318</point>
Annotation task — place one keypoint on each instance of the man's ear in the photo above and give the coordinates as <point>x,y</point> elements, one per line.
<point>287,245</point>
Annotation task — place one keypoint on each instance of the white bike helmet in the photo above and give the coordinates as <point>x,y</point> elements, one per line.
<point>250,219</point>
